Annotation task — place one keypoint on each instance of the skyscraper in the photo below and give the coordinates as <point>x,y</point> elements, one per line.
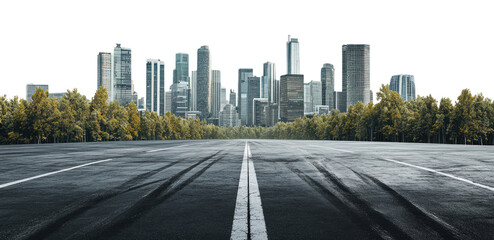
<point>215,93</point>
<point>292,56</point>
<point>181,72</point>
<point>243,88</point>
<point>193,92</point>
<point>291,97</point>
<point>233,98</point>
<point>327,85</point>
<point>155,86</point>
<point>229,116</point>
<point>31,88</point>
<point>259,111</point>
<point>254,91</point>
<point>179,98</point>
<point>104,73</point>
<point>203,97</point>
<point>404,85</point>
<point>312,96</point>
<point>356,73</point>
<point>122,75</point>
<point>223,100</point>
<point>268,77</point>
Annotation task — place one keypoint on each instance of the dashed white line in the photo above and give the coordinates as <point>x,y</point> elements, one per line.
<point>248,220</point>
<point>50,173</point>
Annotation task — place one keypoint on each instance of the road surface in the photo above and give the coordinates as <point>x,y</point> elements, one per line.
<point>246,189</point>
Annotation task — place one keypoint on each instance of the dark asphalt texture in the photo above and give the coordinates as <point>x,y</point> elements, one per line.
<point>188,189</point>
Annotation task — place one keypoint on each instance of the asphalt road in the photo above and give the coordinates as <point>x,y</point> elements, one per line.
<point>222,189</point>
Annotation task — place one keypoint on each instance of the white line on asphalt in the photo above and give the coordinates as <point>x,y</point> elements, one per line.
<point>248,220</point>
<point>444,174</point>
<point>162,149</point>
<point>51,173</point>
<point>341,150</point>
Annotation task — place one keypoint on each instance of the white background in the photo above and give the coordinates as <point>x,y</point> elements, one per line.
<point>447,45</point>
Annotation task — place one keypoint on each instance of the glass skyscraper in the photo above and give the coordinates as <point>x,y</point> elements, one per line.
<point>291,97</point>
<point>292,56</point>
<point>155,86</point>
<point>356,73</point>
<point>243,89</point>
<point>122,75</point>
<point>104,73</point>
<point>254,91</point>
<point>181,72</point>
<point>404,85</point>
<point>215,93</point>
<point>203,97</point>
<point>327,85</point>
<point>268,85</point>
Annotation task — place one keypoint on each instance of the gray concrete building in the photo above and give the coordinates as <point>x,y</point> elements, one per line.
<point>168,101</point>
<point>327,85</point>
<point>292,56</point>
<point>203,94</point>
<point>31,88</point>
<point>356,73</point>
<point>291,97</point>
<point>243,88</point>
<point>404,85</point>
<point>155,86</point>
<point>122,75</point>
<point>254,91</point>
<point>104,72</point>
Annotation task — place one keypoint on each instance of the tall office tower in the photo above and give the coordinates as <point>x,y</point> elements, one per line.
<point>292,56</point>
<point>268,86</point>
<point>168,101</point>
<point>179,98</point>
<point>259,111</point>
<point>203,97</point>
<point>229,116</point>
<point>215,93</point>
<point>223,100</point>
<point>291,97</point>
<point>193,92</point>
<point>404,85</point>
<point>339,101</point>
<point>104,72</point>
<point>155,86</point>
<point>254,91</point>
<point>233,98</point>
<point>312,96</point>
<point>181,72</point>
<point>356,73</point>
<point>122,75</point>
<point>327,85</point>
<point>243,88</point>
<point>31,88</point>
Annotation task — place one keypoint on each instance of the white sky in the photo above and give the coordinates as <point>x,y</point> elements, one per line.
<point>447,45</point>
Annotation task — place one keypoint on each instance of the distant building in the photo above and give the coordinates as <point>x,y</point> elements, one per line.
<point>179,98</point>
<point>181,71</point>
<point>291,97</point>
<point>267,81</point>
<point>215,93</point>
<point>203,94</point>
<point>155,86</point>
<point>272,114</point>
<point>243,88</point>
<point>254,91</point>
<point>321,109</point>
<point>57,95</point>
<point>312,96</point>
<point>193,92</point>
<point>404,85</point>
<point>340,101</point>
<point>233,98</point>
<point>356,73</point>
<point>168,101</point>
<point>104,76</point>
<point>31,88</point>
<point>292,53</point>
<point>122,75</point>
<point>229,116</point>
<point>259,111</point>
<point>327,85</point>
<point>141,104</point>
<point>223,100</point>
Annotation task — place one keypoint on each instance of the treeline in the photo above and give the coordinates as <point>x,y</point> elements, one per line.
<point>74,118</point>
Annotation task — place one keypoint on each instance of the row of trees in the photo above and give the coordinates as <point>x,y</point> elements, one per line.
<point>74,118</point>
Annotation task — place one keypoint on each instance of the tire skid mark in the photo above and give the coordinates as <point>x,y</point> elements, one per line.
<point>442,228</point>
<point>362,205</point>
<point>110,226</point>
<point>375,230</point>
<point>54,222</point>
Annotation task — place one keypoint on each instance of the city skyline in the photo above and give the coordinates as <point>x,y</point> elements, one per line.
<point>425,52</point>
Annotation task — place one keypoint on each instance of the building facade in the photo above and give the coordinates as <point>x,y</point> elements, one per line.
<point>243,88</point>
<point>356,73</point>
<point>223,100</point>
<point>259,111</point>
<point>155,86</point>
<point>104,74</point>
<point>215,93</point>
<point>193,92</point>
<point>203,94</point>
<point>229,116</point>
<point>31,88</point>
<point>122,75</point>
<point>179,98</point>
<point>327,85</point>
<point>254,91</point>
<point>291,97</point>
<point>268,79</point>
<point>181,71</point>
<point>292,56</point>
<point>233,98</point>
<point>404,85</point>
<point>312,96</point>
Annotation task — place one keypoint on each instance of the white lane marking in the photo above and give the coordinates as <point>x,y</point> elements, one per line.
<point>240,227</point>
<point>341,150</point>
<point>162,149</point>
<point>51,173</point>
<point>444,174</point>
<point>257,223</point>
